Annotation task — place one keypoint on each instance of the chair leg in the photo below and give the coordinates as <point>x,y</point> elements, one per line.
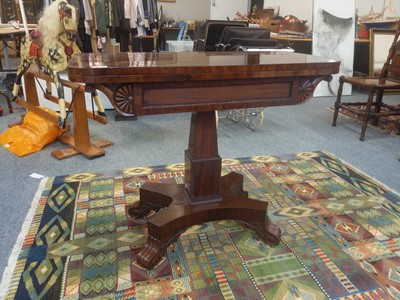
<point>378,105</point>
<point>337,103</point>
<point>10,108</point>
<point>367,114</point>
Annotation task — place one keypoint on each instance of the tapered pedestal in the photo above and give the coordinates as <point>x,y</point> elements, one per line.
<point>205,196</point>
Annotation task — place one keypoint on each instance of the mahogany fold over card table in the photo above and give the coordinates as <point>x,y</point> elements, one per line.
<point>200,82</point>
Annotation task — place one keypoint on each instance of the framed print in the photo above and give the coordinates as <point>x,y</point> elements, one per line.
<point>380,41</point>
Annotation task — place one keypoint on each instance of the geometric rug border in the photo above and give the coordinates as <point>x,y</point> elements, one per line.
<point>397,193</point>
<point>12,261</point>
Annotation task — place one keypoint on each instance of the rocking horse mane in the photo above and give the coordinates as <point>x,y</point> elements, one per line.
<point>50,24</point>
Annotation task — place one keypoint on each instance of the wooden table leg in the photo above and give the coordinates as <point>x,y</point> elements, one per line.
<point>205,196</point>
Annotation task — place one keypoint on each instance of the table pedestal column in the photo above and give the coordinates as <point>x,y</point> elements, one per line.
<point>205,196</point>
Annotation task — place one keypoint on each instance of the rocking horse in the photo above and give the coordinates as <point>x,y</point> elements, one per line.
<point>50,46</point>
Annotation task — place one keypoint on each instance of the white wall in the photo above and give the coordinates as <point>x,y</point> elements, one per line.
<point>185,10</point>
<point>222,9</point>
<point>301,9</point>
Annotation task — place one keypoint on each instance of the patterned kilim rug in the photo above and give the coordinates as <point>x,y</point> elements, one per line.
<point>340,238</point>
<point>389,124</point>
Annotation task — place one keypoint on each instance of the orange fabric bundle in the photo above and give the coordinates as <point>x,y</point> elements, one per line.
<point>30,137</point>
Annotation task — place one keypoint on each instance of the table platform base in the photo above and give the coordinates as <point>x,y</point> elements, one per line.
<point>175,214</point>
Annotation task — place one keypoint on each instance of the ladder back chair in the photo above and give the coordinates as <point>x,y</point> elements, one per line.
<point>388,80</point>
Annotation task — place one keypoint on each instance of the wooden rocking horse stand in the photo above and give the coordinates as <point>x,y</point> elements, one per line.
<point>50,47</point>
<point>79,142</point>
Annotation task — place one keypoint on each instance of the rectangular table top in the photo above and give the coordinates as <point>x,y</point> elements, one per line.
<point>194,66</point>
<point>170,82</point>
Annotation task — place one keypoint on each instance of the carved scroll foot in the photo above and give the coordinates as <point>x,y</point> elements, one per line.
<point>151,254</point>
<point>266,231</point>
<point>142,209</point>
<point>153,197</point>
<point>272,234</point>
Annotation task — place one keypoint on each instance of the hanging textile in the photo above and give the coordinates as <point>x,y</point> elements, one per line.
<point>85,26</point>
<point>131,12</point>
<point>101,17</point>
<point>151,12</point>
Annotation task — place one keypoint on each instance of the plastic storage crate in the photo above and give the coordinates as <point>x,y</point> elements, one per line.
<point>180,46</point>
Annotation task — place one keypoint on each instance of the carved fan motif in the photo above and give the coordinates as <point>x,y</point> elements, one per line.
<point>306,87</point>
<point>123,98</point>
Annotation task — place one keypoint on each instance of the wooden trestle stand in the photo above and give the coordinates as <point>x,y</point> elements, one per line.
<point>79,142</point>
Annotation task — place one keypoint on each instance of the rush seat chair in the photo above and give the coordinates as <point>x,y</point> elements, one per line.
<point>388,80</point>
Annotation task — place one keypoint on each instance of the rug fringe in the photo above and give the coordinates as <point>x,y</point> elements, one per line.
<point>12,261</point>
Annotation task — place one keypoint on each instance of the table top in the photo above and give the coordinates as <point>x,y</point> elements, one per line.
<point>10,30</point>
<point>194,66</point>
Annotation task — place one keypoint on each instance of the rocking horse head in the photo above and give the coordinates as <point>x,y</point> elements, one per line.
<point>61,17</point>
<point>69,16</point>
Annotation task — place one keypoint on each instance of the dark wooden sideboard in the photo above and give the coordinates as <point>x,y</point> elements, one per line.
<point>200,82</point>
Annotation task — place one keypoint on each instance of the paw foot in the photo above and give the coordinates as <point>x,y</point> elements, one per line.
<point>272,234</point>
<point>151,253</point>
